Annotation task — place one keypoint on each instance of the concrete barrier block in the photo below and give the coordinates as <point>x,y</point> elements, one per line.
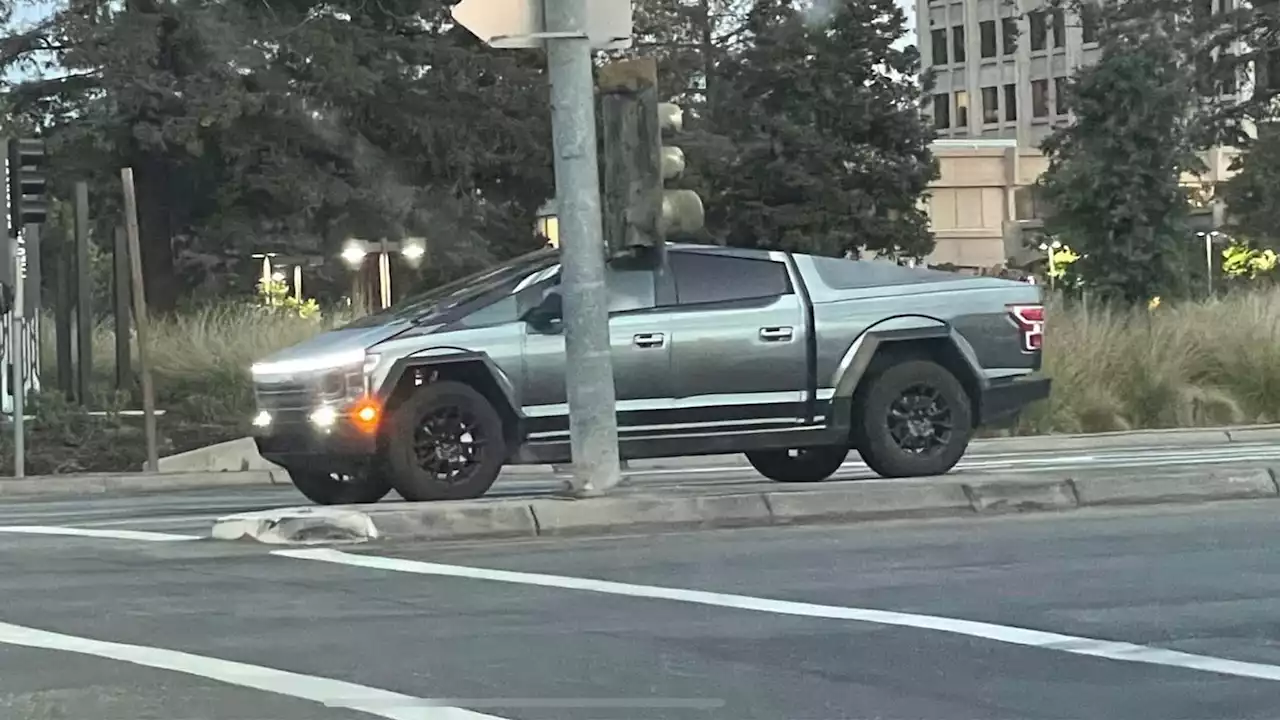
<point>1012,496</point>
<point>1155,486</point>
<point>455,521</point>
<point>232,456</point>
<point>869,499</point>
<point>635,513</point>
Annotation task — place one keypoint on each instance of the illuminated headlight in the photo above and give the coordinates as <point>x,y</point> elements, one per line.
<point>324,417</point>
<point>319,363</point>
<point>262,419</point>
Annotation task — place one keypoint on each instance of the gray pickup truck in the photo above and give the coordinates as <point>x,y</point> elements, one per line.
<point>791,359</point>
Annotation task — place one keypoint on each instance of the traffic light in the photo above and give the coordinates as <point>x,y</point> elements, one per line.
<point>682,210</point>
<point>28,203</point>
<point>640,213</point>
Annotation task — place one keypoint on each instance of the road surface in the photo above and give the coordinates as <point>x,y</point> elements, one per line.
<point>1158,613</point>
<point>195,511</point>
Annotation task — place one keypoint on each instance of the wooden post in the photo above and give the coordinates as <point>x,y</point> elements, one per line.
<point>123,299</point>
<point>632,177</point>
<point>140,317</point>
<point>62,325</point>
<point>84,296</point>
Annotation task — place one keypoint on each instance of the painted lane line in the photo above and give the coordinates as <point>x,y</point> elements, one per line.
<point>321,690</point>
<point>1127,652</point>
<point>94,533</point>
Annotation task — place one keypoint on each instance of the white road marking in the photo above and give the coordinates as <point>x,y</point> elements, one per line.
<point>95,533</point>
<point>1127,652</point>
<point>324,691</point>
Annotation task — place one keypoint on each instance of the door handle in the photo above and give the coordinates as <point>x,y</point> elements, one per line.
<point>649,340</point>
<point>776,334</point>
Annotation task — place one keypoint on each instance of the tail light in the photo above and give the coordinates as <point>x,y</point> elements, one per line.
<point>1030,322</point>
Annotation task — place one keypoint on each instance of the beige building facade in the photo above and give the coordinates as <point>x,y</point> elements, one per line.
<point>983,208</point>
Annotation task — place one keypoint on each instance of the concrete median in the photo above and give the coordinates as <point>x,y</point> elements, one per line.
<point>835,503</point>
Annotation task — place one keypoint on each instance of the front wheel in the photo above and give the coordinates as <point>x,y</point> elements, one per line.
<point>914,420</point>
<point>446,442</point>
<point>801,465</point>
<point>340,489</point>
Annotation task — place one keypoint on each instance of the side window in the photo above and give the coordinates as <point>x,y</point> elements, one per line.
<point>707,278</point>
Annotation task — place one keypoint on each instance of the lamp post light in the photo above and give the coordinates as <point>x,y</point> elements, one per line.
<point>412,249</point>
<point>1210,238</point>
<point>1050,249</point>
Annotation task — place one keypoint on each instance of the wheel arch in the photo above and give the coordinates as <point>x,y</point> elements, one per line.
<point>903,337</point>
<point>471,367</point>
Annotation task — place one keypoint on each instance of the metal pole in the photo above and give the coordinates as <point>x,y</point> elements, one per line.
<point>593,421</point>
<point>1208,261</point>
<point>18,354</point>
<point>140,317</point>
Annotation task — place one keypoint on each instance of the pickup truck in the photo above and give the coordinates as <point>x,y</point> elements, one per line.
<point>791,359</point>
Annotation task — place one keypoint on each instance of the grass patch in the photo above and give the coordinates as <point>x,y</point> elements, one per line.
<point>1183,365</point>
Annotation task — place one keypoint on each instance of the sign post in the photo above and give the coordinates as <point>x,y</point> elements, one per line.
<point>570,29</point>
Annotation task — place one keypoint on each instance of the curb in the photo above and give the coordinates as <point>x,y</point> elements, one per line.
<point>850,502</point>
<point>83,485</point>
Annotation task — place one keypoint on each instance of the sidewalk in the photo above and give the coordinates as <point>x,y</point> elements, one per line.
<point>237,464</point>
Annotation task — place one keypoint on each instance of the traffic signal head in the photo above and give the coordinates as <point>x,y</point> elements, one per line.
<point>682,211</point>
<point>28,201</point>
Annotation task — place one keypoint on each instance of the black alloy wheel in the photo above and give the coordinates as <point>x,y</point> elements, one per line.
<point>912,419</point>
<point>446,442</point>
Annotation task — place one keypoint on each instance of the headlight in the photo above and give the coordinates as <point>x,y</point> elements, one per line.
<point>319,363</point>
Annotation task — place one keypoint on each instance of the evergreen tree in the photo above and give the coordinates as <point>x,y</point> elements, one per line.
<point>1253,194</point>
<point>831,147</point>
<point>1113,182</point>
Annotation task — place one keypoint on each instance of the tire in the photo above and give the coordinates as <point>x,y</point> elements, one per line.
<point>927,394</point>
<point>807,465</point>
<point>412,454</point>
<point>331,489</point>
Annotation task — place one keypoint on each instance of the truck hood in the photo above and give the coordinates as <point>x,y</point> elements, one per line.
<point>344,340</point>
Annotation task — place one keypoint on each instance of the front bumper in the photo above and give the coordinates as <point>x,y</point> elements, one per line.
<point>295,443</point>
<point>1003,399</point>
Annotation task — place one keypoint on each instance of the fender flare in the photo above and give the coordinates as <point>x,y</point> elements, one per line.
<point>900,328</point>
<point>443,357</point>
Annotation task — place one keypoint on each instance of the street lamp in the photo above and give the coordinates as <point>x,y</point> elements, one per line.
<point>1050,249</point>
<point>354,250</point>
<point>1210,238</point>
<point>548,223</point>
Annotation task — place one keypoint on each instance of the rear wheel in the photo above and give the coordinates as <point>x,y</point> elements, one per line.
<point>446,442</point>
<point>915,419</point>
<point>800,465</point>
<point>340,488</point>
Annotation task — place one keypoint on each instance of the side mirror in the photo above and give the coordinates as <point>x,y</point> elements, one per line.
<point>548,315</point>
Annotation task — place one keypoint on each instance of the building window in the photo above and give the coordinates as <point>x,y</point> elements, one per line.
<point>1060,95</point>
<point>957,43</point>
<point>990,105</point>
<point>1009,28</point>
<point>1011,102</point>
<point>1039,98</point>
<point>941,111</point>
<point>1228,85</point>
<point>987,33</point>
<point>939,47</point>
<point>1039,30</point>
<point>962,109</point>
<point>1059,28</point>
<point>1089,22</point>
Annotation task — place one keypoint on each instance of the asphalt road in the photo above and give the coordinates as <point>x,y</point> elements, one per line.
<point>1159,613</point>
<point>194,511</point>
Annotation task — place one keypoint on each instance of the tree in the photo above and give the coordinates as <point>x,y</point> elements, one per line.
<point>1253,195</point>
<point>831,148</point>
<point>290,126</point>
<point>1113,177</point>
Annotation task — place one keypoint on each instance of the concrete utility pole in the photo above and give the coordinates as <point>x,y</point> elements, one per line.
<point>593,421</point>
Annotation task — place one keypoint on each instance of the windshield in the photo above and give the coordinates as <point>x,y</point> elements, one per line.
<point>437,301</point>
